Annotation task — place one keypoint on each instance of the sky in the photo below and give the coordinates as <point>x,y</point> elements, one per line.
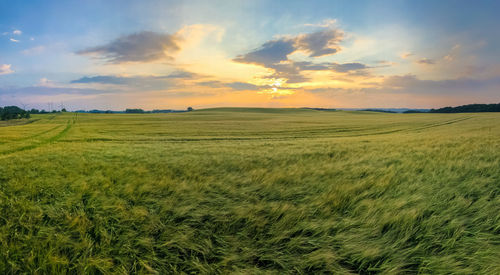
<point>150,54</point>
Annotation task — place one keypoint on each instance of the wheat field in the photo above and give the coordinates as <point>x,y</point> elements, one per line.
<point>251,191</point>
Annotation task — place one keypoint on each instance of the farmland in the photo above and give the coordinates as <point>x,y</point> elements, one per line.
<point>251,191</point>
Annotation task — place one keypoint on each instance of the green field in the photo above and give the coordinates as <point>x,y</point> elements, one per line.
<point>251,191</point>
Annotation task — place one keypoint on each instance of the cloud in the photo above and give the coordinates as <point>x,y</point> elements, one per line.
<point>426,61</point>
<point>44,82</point>
<point>320,43</point>
<point>348,67</point>
<point>242,86</point>
<point>325,42</point>
<point>14,40</point>
<point>5,69</point>
<point>128,80</point>
<point>274,54</point>
<point>180,74</point>
<point>124,83</point>
<point>406,55</point>
<point>143,83</point>
<point>293,70</point>
<point>144,46</point>
<point>104,79</point>
<point>269,53</point>
<point>211,84</point>
<point>17,32</point>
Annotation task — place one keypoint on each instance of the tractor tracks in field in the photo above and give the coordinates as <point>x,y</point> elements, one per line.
<point>300,135</point>
<point>409,130</point>
<point>453,121</point>
<point>20,123</point>
<point>41,133</point>
<point>52,139</point>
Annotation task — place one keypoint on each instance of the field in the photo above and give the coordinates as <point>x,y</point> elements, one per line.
<point>251,191</point>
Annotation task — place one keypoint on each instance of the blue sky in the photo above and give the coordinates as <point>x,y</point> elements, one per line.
<point>172,54</point>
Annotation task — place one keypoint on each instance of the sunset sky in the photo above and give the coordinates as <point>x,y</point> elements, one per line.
<point>118,54</point>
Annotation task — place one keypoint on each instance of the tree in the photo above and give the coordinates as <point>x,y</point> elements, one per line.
<point>63,110</point>
<point>12,112</point>
<point>190,109</point>
<point>134,111</point>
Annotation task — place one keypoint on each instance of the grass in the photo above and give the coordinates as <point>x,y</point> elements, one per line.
<point>251,191</point>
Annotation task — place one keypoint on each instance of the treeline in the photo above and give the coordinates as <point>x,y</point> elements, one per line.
<point>134,111</point>
<point>14,112</point>
<point>470,108</point>
<point>141,111</point>
<point>36,111</point>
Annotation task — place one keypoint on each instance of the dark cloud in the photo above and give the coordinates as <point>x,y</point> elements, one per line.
<point>274,55</point>
<point>349,67</point>
<point>122,80</point>
<point>145,83</point>
<point>138,47</point>
<point>320,43</point>
<point>332,66</point>
<point>211,84</point>
<point>242,86</point>
<point>316,44</point>
<point>269,53</point>
<point>104,79</point>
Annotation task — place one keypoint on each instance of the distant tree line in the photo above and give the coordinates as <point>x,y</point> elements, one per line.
<point>141,111</point>
<point>134,111</point>
<point>14,112</point>
<point>36,111</point>
<point>470,108</point>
